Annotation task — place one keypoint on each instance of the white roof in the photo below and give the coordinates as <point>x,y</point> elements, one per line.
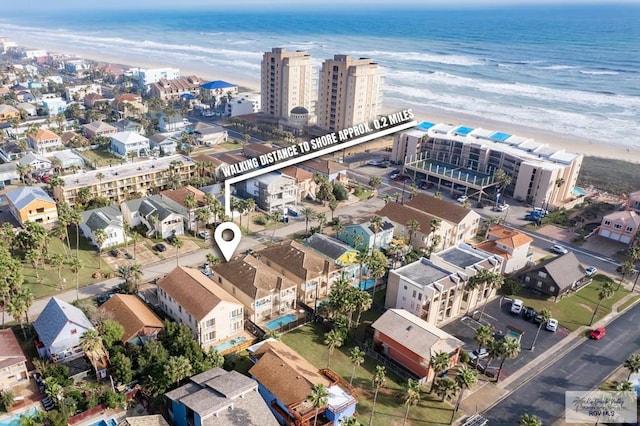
<point>127,138</point>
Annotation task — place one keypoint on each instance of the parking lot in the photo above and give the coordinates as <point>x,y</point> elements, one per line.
<point>497,314</point>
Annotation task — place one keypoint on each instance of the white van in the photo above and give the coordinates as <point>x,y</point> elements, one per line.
<point>516,306</point>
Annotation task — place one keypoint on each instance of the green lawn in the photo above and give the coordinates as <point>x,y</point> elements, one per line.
<point>390,408</point>
<point>48,284</point>
<point>576,310</point>
<point>101,157</point>
<point>628,303</point>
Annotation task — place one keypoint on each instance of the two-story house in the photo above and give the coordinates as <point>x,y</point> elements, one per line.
<point>511,245</point>
<point>371,235</point>
<point>307,187</point>
<point>334,172</point>
<point>59,327</point>
<point>556,276</point>
<point>35,161</point>
<point>43,141</point>
<point>338,252</point>
<point>218,397</point>
<point>8,112</point>
<point>160,217</point>
<point>436,289</point>
<point>108,219</point>
<point>179,199</point>
<point>313,274</point>
<point>139,322</point>
<point>98,128</point>
<point>271,191</point>
<point>209,134</point>
<point>189,297</point>
<point>172,123</point>
<point>265,293</point>
<point>32,204</point>
<point>127,125</point>
<point>412,342</point>
<point>465,222</point>
<point>620,226</point>
<point>285,381</point>
<point>163,144</point>
<point>13,361</point>
<point>124,144</point>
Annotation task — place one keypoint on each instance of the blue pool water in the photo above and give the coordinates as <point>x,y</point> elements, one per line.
<point>275,324</point>
<point>230,343</point>
<point>367,284</point>
<point>15,419</point>
<point>579,191</point>
<point>109,422</point>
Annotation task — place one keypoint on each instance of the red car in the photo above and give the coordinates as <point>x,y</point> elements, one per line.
<point>598,333</point>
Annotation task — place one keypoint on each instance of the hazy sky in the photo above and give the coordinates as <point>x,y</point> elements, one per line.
<point>33,6</point>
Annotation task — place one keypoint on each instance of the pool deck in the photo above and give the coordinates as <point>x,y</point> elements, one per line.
<point>298,312</point>
<point>250,339</point>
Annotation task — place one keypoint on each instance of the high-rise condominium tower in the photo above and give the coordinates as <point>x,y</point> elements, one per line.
<point>288,83</point>
<point>349,92</point>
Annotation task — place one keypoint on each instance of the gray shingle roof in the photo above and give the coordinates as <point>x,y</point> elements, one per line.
<point>330,247</point>
<point>102,218</point>
<point>24,196</point>
<point>30,157</point>
<point>565,270</point>
<point>54,318</point>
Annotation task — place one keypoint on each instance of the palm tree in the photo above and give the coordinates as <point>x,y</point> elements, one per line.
<point>349,421</point>
<point>386,198</point>
<point>32,256</point>
<point>606,291</point>
<point>465,378</point>
<point>75,264</point>
<point>333,206</point>
<point>379,380</point>
<point>75,218</point>
<point>362,301</point>
<point>57,261</point>
<point>337,226</point>
<point>529,420</point>
<point>250,207</point>
<point>376,226</point>
<point>190,203</point>
<point>318,398</point>
<point>333,339</point>
<point>91,342</point>
<point>483,335</point>
<point>356,355</point>
<point>276,217</point>
<point>445,388</point>
<point>632,363</point>
<point>322,219</point>
<point>412,397</point>
<point>486,280</point>
<point>212,259</point>
<point>177,368</point>
<point>413,226</point>
<point>545,316</point>
<point>438,362</point>
<point>18,309</point>
<point>509,348</point>
<point>625,269</point>
<point>203,216</point>
<point>99,236</point>
<point>307,213</point>
<point>362,257</point>
<point>624,386</point>
<point>178,244</point>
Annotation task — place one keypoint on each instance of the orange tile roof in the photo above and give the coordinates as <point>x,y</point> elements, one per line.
<point>297,173</point>
<point>492,247</point>
<point>44,135</point>
<point>509,237</point>
<point>132,313</point>
<point>180,194</point>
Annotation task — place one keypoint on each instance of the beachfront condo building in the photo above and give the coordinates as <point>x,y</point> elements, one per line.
<point>127,181</point>
<point>145,76</point>
<point>464,160</point>
<point>349,92</point>
<point>288,84</point>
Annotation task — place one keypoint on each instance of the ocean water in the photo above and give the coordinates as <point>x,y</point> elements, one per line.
<point>570,69</point>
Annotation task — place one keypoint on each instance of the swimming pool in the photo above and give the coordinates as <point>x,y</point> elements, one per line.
<point>367,284</point>
<point>15,419</point>
<point>229,344</point>
<point>579,192</point>
<point>275,324</point>
<point>109,422</point>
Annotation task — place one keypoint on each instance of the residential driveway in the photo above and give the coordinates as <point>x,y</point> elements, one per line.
<point>556,233</point>
<point>498,315</point>
<point>603,246</point>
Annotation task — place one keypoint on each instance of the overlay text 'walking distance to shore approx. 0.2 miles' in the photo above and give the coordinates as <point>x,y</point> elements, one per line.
<point>319,143</point>
<point>303,151</point>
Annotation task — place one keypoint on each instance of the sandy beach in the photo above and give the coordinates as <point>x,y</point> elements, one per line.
<point>595,148</point>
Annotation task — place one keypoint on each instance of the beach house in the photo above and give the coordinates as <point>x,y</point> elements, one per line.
<point>32,204</point>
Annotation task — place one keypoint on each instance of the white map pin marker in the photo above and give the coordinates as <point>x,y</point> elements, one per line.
<point>227,247</point>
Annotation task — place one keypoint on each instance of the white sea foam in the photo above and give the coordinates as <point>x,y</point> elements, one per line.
<point>423,57</point>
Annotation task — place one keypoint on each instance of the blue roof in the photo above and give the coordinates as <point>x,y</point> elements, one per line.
<point>217,84</point>
<point>24,196</point>
<point>425,125</point>
<point>463,130</point>
<point>499,136</point>
<point>53,320</point>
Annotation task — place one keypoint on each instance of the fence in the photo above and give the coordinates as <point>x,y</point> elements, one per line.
<point>392,365</point>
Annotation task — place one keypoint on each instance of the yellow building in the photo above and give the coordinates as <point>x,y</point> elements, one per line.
<point>8,112</point>
<point>32,204</point>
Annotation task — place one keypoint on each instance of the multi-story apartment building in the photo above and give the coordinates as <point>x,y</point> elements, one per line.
<point>265,293</point>
<point>118,183</point>
<point>271,191</point>
<point>288,82</point>
<point>172,89</point>
<point>153,75</point>
<point>349,92</point>
<point>189,297</point>
<point>465,158</point>
<point>435,289</point>
<point>76,93</point>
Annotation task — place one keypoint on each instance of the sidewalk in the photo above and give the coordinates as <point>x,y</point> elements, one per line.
<point>487,394</point>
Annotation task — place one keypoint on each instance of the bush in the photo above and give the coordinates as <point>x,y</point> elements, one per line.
<point>261,220</point>
<point>340,192</point>
<point>6,399</point>
<point>113,399</point>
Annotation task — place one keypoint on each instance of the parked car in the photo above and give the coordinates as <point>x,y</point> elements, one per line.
<point>114,252</point>
<point>462,198</point>
<point>394,175</point>
<point>128,255</point>
<point>373,163</point>
<point>383,164</point>
<point>501,207</point>
<point>203,234</point>
<point>533,217</point>
<point>516,306</point>
<point>590,271</point>
<point>537,319</point>
<point>558,249</point>
<point>473,355</point>
<point>529,313</point>
<point>598,333</point>
<point>552,324</point>
<point>540,211</point>
<point>160,247</point>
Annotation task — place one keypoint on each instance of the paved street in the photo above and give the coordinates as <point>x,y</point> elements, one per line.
<point>498,315</point>
<point>581,369</point>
